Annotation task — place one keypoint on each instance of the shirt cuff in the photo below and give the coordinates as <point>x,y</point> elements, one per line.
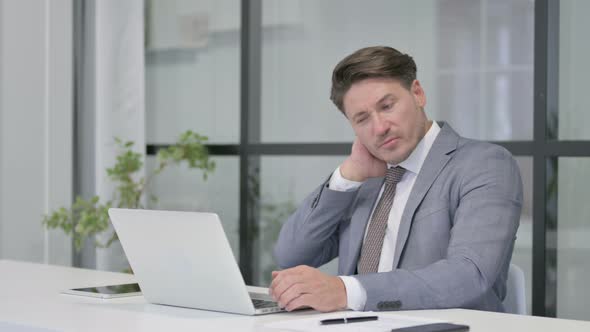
<point>356,295</point>
<point>338,183</point>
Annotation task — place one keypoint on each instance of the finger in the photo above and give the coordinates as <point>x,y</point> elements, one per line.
<point>286,283</point>
<point>283,281</point>
<point>304,300</point>
<point>277,275</point>
<point>276,278</point>
<point>285,278</point>
<point>291,293</point>
<point>275,281</point>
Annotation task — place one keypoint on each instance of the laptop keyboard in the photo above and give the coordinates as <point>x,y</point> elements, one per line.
<point>259,304</point>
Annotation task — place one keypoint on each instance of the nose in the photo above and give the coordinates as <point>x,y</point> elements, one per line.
<point>380,125</point>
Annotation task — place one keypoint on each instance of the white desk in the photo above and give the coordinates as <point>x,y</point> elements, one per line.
<point>29,295</point>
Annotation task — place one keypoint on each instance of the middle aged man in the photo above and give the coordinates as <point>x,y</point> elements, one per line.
<point>418,216</point>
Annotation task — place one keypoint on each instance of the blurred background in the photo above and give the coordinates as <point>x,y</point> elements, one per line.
<point>254,77</point>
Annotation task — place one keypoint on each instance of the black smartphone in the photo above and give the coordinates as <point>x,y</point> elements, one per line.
<point>436,327</point>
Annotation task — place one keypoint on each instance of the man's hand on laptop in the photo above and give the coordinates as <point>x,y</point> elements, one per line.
<point>304,286</point>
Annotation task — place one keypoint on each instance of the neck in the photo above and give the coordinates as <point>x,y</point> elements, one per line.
<point>427,126</point>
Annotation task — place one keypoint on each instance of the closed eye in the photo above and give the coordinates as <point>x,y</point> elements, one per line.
<point>361,119</point>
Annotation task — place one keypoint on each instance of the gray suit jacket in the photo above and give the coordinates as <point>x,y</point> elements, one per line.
<point>455,238</point>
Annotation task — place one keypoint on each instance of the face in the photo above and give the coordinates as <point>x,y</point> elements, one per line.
<point>387,118</point>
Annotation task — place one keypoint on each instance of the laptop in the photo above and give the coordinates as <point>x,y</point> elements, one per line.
<point>184,259</point>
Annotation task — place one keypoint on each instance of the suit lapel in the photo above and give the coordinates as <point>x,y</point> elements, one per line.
<point>437,158</point>
<point>359,221</point>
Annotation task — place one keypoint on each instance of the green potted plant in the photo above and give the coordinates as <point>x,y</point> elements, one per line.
<point>86,218</point>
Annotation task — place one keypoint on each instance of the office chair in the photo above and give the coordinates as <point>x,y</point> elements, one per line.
<point>515,300</point>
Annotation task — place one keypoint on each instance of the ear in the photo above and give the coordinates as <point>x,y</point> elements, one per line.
<point>418,93</point>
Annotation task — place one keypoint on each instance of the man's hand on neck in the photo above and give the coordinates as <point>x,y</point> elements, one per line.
<point>361,164</point>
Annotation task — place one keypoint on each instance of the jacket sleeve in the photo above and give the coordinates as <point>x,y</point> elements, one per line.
<point>310,235</point>
<point>480,246</point>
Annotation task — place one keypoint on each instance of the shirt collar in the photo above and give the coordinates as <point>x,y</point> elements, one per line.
<point>414,162</point>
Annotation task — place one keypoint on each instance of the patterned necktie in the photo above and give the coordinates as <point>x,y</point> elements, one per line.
<point>371,250</point>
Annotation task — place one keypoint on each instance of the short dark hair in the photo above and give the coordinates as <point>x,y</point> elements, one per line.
<point>371,62</point>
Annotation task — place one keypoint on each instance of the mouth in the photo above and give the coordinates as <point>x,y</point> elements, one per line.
<point>389,142</point>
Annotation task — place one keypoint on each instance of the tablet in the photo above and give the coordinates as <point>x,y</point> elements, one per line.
<point>106,292</point>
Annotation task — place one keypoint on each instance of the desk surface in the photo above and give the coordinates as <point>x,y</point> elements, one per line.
<point>29,295</point>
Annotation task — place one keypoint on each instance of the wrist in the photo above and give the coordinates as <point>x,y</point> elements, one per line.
<point>356,296</point>
<point>342,301</point>
<point>348,172</point>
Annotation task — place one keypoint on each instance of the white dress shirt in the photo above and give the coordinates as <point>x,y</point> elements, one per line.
<point>355,293</point>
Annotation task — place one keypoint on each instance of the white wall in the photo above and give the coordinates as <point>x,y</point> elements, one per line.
<point>299,57</point>
<point>574,52</point>
<point>35,126</point>
<point>573,219</point>
<point>198,87</point>
<point>118,98</point>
